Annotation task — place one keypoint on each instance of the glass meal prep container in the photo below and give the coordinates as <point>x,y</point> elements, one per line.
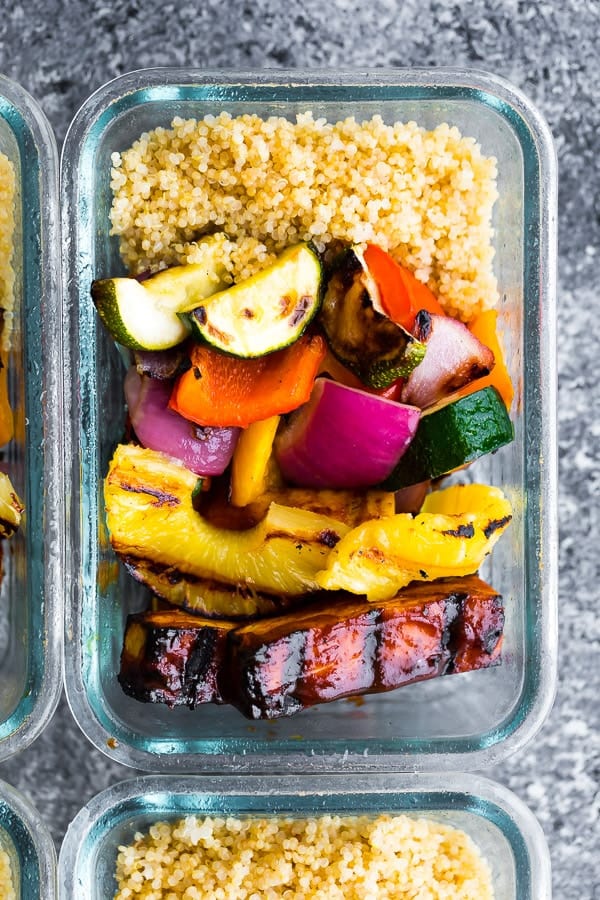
<point>27,842</point>
<point>31,588</point>
<point>450,723</point>
<point>506,832</point>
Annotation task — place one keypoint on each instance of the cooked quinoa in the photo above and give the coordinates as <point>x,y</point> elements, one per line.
<point>426,196</point>
<point>7,890</point>
<point>325,858</point>
<point>7,226</point>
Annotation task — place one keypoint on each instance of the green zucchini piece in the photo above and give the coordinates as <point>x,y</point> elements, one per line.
<point>266,312</point>
<point>364,339</point>
<point>450,436</point>
<point>142,315</point>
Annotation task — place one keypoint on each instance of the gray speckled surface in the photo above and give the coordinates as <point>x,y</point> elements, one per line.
<point>550,51</point>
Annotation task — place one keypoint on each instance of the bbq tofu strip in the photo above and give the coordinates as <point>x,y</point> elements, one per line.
<point>333,648</point>
<point>173,657</point>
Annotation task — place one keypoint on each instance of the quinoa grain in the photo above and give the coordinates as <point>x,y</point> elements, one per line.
<point>425,196</point>
<point>325,858</point>
<point>7,890</point>
<point>7,227</point>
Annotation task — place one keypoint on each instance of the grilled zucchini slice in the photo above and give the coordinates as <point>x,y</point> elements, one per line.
<point>142,315</point>
<point>266,312</point>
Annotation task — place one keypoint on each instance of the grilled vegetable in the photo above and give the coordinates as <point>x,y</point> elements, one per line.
<point>11,508</point>
<point>364,339</point>
<point>344,438</point>
<point>451,536</point>
<point>221,390</point>
<point>451,435</point>
<point>173,658</point>
<point>266,312</point>
<point>454,358</point>
<point>206,451</point>
<point>150,517</point>
<point>485,329</point>
<point>402,295</point>
<point>7,425</point>
<point>162,364</point>
<point>142,315</point>
<point>250,461</point>
<point>277,667</point>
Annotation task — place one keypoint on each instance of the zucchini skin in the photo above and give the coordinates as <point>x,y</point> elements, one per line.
<point>364,340</point>
<point>265,313</point>
<point>451,436</point>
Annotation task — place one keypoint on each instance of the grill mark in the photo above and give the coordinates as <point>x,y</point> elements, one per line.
<point>454,610</point>
<point>215,332</point>
<point>378,628</point>
<point>300,311</point>
<point>466,531</point>
<point>328,537</point>
<point>174,576</point>
<point>422,329</point>
<point>494,524</point>
<point>196,664</point>
<point>162,498</point>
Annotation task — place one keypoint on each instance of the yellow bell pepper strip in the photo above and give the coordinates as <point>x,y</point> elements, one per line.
<point>454,531</point>
<point>6,413</point>
<point>250,461</point>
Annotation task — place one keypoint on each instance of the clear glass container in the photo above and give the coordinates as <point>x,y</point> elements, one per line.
<point>31,589</point>
<point>450,723</point>
<point>26,840</point>
<point>503,828</point>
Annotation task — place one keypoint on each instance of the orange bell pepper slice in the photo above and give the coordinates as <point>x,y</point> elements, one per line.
<point>485,329</point>
<point>220,390</point>
<point>6,413</point>
<point>402,295</point>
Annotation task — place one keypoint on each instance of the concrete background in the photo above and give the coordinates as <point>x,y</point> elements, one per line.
<point>61,52</point>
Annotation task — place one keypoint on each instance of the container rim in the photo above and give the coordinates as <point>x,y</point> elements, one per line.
<point>38,834</point>
<point>500,93</point>
<point>474,793</point>
<point>35,137</point>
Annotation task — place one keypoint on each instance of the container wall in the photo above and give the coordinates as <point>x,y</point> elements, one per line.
<point>31,590</point>
<point>451,718</point>
<point>504,830</point>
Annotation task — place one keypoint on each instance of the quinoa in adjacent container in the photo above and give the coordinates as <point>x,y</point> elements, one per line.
<point>11,507</point>
<point>323,858</point>
<point>7,890</point>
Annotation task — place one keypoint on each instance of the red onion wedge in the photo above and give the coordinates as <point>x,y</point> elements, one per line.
<point>163,364</point>
<point>205,451</point>
<point>453,357</point>
<point>344,438</point>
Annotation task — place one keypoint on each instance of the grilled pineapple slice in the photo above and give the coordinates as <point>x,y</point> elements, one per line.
<point>150,516</point>
<point>204,596</point>
<point>455,530</point>
<point>11,508</point>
